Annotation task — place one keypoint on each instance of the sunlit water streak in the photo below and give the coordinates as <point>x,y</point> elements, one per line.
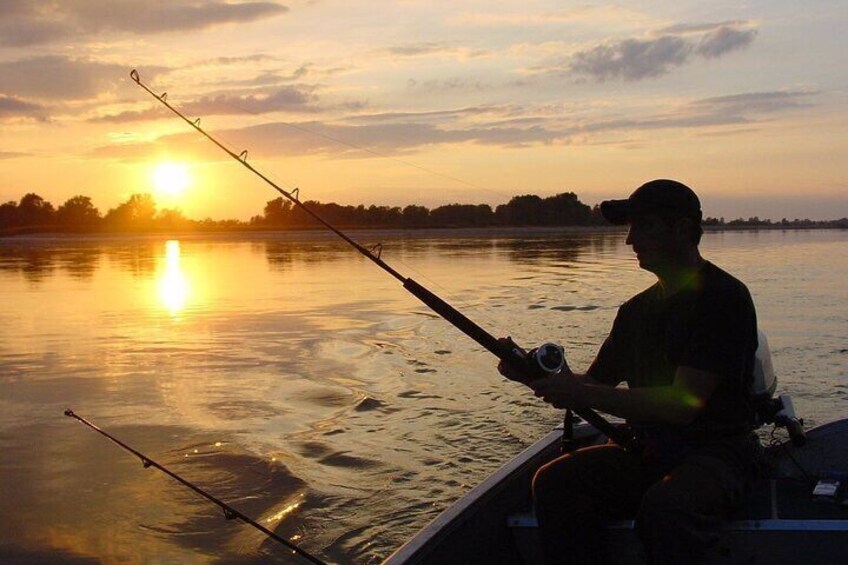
<point>173,285</point>
<point>290,377</point>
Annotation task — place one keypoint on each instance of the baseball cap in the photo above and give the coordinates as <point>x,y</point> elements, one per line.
<point>658,196</point>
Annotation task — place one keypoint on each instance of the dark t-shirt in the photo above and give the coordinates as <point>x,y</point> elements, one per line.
<point>710,325</point>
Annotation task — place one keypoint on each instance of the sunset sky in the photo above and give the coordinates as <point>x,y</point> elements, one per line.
<point>427,102</point>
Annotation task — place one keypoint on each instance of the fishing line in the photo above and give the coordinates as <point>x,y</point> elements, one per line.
<point>230,513</point>
<point>544,360</point>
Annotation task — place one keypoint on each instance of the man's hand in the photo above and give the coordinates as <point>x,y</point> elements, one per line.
<point>509,370</point>
<point>559,390</point>
<point>529,371</point>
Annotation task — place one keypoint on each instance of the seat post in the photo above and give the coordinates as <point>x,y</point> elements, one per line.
<point>567,444</point>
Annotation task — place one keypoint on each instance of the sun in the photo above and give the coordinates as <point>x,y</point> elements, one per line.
<point>171,179</point>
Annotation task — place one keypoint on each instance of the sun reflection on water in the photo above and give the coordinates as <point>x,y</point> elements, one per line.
<point>173,286</point>
<point>288,509</point>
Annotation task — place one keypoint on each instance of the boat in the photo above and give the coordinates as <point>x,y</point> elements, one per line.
<point>797,512</point>
<point>792,515</point>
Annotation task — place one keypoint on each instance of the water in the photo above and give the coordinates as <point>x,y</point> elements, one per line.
<point>295,380</point>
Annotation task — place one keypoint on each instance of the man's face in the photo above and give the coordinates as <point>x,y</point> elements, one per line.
<point>655,242</point>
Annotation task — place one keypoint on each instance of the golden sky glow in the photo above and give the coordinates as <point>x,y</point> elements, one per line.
<point>429,102</point>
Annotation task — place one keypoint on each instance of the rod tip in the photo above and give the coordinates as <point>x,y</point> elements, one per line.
<point>69,412</point>
<point>134,75</point>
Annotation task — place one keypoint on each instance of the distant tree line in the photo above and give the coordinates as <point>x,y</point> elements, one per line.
<point>756,222</point>
<point>139,214</point>
<point>529,210</point>
<point>78,214</point>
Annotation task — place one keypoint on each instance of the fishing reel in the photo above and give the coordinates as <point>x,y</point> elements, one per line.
<point>547,359</point>
<point>543,361</point>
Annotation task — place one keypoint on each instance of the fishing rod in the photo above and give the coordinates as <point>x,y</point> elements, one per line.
<point>230,513</point>
<point>547,359</point>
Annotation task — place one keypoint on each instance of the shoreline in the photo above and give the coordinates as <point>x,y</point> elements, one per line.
<point>52,233</point>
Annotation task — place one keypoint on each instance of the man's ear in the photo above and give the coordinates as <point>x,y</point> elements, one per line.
<point>685,228</point>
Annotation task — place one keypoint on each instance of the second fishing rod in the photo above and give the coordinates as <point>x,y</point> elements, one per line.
<point>546,359</point>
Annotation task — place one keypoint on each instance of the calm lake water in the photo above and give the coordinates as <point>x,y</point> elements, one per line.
<point>292,378</point>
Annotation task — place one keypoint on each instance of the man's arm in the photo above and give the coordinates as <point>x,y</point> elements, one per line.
<point>677,403</point>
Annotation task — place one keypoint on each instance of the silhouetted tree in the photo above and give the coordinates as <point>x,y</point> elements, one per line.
<point>415,216</point>
<point>525,210</point>
<point>172,219</point>
<point>462,215</point>
<point>565,209</point>
<point>78,213</point>
<point>135,214</point>
<point>277,212</point>
<point>8,215</point>
<point>33,210</point>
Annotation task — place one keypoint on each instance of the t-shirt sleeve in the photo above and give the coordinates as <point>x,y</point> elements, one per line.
<point>725,336</point>
<point>608,366</point>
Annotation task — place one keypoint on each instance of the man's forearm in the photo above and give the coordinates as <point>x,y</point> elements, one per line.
<point>658,404</point>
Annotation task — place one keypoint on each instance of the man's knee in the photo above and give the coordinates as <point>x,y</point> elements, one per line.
<point>572,469</point>
<point>592,476</point>
<point>671,521</point>
<point>556,479</point>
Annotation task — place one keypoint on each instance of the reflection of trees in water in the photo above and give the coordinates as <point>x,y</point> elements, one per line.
<point>560,248</point>
<point>565,248</point>
<point>524,247</point>
<point>462,246</point>
<point>139,259</point>
<point>281,255</point>
<point>80,263</point>
<point>37,261</point>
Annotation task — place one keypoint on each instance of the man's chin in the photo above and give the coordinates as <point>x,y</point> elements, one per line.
<point>646,264</point>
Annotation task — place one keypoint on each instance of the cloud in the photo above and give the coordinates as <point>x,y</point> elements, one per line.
<point>590,15</point>
<point>32,22</point>
<point>429,49</point>
<point>631,59</point>
<point>58,78</point>
<point>453,84</point>
<point>430,116</point>
<point>737,109</point>
<point>11,155</point>
<point>699,28</point>
<point>639,59</point>
<point>333,140</point>
<point>417,49</point>
<point>287,98</point>
<point>270,78</point>
<point>384,134</point>
<point>255,58</point>
<point>723,40</point>
<point>16,108</point>
<point>755,102</point>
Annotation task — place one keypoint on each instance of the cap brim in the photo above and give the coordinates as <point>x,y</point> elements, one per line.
<point>616,211</point>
